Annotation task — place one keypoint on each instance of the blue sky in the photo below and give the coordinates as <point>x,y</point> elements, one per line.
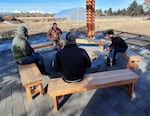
<point>53,6</point>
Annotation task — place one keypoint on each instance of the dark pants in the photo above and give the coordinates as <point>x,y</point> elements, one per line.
<point>34,58</point>
<point>113,52</point>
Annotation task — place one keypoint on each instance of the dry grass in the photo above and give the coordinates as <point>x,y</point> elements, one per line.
<point>42,25</point>
<point>127,24</point>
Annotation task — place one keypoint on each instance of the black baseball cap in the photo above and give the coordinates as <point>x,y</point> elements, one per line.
<point>110,32</point>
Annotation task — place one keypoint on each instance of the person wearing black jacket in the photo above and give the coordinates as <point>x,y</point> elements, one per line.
<point>117,45</point>
<point>72,61</point>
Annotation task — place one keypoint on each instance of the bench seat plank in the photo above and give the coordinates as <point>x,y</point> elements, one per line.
<point>30,74</point>
<point>57,87</point>
<point>31,78</point>
<point>92,81</point>
<point>90,41</point>
<point>43,45</point>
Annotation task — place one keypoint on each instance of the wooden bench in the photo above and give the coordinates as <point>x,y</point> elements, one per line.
<point>133,59</point>
<point>31,79</point>
<point>91,41</point>
<point>43,45</point>
<point>57,87</point>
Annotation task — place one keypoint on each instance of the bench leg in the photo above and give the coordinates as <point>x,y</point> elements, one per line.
<point>41,89</point>
<point>28,93</point>
<point>131,89</point>
<point>55,102</point>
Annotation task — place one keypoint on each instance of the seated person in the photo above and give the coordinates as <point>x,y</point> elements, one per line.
<point>54,34</point>
<point>72,61</point>
<point>23,52</point>
<point>117,45</point>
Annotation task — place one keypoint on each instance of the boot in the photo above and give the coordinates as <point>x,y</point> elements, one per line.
<point>108,62</point>
<point>114,61</point>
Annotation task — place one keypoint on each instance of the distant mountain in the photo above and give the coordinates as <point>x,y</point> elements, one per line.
<point>37,11</point>
<point>6,12</point>
<point>16,11</point>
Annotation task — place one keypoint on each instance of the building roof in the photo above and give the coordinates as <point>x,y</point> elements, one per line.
<point>68,12</point>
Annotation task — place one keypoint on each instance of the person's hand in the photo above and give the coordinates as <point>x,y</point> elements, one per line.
<point>107,49</point>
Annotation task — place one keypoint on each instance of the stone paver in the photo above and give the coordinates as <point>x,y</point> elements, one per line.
<point>112,101</point>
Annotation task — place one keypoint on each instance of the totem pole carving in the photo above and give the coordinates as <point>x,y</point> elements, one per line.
<point>90,18</point>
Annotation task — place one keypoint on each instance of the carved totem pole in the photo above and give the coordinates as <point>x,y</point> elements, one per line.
<point>90,18</point>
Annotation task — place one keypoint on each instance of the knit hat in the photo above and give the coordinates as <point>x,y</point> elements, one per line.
<point>71,37</point>
<point>21,30</point>
<point>110,32</point>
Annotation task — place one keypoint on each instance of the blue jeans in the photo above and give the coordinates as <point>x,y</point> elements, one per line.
<point>34,58</point>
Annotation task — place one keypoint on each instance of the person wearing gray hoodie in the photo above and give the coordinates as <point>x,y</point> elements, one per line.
<point>23,52</point>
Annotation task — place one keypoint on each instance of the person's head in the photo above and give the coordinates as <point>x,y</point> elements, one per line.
<point>71,38</point>
<point>22,30</point>
<point>54,25</point>
<point>110,33</point>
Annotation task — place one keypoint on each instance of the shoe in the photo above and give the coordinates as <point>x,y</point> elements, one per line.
<point>113,62</point>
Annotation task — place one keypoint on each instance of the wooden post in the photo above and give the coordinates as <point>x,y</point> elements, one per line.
<point>93,19</point>
<point>90,18</point>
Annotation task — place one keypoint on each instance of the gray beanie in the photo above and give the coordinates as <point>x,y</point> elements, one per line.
<point>21,30</point>
<point>71,38</point>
